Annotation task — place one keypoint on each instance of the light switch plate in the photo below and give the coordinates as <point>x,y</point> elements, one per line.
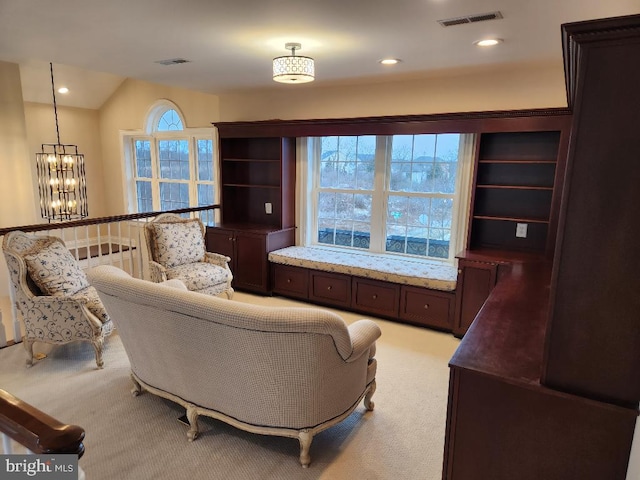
<point>267,209</point>
<point>521,230</point>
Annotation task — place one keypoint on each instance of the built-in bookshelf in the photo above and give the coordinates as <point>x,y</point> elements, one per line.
<point>514,184</point>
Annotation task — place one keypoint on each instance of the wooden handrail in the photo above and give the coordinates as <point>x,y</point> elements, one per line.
<point>96,221</point>
<point>36,430</point>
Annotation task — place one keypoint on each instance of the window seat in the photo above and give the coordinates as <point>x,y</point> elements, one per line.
<point>404,271</point>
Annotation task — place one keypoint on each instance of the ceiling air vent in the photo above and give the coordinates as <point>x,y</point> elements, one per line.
<point>482,17</point>
<point>172,61</point>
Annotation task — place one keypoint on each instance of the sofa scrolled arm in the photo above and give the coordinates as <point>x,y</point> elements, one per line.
<point>363,335</point>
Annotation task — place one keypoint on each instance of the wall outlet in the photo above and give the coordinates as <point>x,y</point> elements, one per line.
<point>267,209</point>
<point>521,230</point>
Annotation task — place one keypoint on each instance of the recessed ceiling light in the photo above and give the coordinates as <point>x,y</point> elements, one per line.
<point>488,42</point>
<point>390,61</point>
<point>63,90</point>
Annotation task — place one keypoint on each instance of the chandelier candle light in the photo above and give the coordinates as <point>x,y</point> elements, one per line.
<point>62,181</point>
<point>293,68</point>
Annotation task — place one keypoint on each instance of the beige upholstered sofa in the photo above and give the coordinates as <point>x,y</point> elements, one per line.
<point>290,372</point>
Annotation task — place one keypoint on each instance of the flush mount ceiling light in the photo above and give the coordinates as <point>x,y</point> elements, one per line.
<point>488,42</point>
<point>293,68</point>
<point>389,61</point>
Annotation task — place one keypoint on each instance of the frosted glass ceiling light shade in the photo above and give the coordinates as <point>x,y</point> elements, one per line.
<point>293,68</point>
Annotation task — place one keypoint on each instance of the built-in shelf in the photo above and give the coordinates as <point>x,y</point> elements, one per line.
<point>515,187</point>
<point>254,160</point>
<point>512,219</point>
<point>246,185</point>
<point>514,183</point>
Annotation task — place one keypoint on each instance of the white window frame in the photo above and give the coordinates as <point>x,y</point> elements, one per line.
<point>128,140</point>
<point>308,173</point>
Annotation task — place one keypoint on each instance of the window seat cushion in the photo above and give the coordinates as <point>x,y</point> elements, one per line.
<point>388,268</point>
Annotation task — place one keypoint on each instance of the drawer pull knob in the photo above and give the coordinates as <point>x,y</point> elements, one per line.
<point>288,280</point>
<point>231,239</point>
<point>459,270</point>
<point>426,305</point>
<point>375,296</point>
<point>329,287</point>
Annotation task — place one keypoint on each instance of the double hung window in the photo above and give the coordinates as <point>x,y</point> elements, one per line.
<point>395,194</point>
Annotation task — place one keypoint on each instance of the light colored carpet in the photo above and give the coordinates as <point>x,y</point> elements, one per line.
<point>140,438</point>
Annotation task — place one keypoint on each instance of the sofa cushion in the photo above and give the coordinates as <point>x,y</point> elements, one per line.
<point>178,243</point>
<point>54,270</point>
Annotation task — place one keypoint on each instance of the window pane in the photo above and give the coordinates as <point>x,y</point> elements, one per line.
<point>174,159</point>
<point>205,195</point>
<point>344,219</point>
<point>169,121</point>
<point>174,195</point>
<point>419,225</point>
<point>143,158</point>
<point>424,163</point>
<point>205,160</point>
<point>348,162</point>
<point>143,194</point>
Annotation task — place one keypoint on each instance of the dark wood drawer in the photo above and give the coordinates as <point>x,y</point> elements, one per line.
<point>332,288</point>
<point>290,281</point>
<point>427,307</point>
<point>379,298</point>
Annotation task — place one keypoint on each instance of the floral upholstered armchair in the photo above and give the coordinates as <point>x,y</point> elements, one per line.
<point>177,251</point>
<point>53,294</point>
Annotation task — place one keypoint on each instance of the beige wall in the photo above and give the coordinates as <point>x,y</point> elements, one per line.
<point>127,109</point>
<point>17,204</point>
<point>470,90</point>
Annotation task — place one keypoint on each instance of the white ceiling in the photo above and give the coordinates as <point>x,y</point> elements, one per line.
<point>95,45</point>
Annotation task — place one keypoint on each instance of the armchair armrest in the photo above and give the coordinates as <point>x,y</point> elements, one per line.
<point>174,283</point>
<point>217,259</point>
<point>363,335</point>
<point>157,272</point>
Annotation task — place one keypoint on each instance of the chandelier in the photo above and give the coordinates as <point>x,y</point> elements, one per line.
<point>62,181</point>
<point>292,68</point>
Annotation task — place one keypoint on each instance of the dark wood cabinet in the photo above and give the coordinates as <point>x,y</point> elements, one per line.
<point>593,343</point>
<point>291,281</point>
<point>332,289</point>
<point>257,185</point>
<point>428,308</point>
<point>378,298</point>
<point>410,304</point>
<point>476,279</point>
<point>546,382</point>
<point>248,248</point>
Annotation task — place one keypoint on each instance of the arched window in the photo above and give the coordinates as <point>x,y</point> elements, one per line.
<point>169,166</point>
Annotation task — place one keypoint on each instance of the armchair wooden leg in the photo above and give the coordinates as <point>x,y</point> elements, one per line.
<point>28,346</point>
<point>97,345</point>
